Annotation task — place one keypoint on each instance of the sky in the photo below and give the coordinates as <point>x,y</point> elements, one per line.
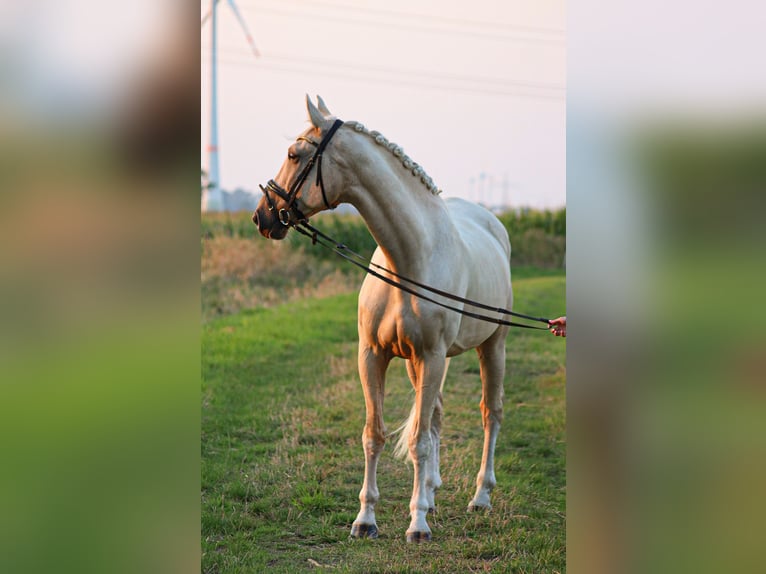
<point>473,91</point>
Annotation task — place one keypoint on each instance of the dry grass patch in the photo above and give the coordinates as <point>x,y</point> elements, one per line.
<point>241,273</point>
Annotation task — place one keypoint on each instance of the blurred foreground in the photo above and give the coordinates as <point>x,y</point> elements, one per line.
<point>99,296</point>
<point>666,389</point>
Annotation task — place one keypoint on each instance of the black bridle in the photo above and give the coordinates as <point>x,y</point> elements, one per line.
<point>291,215</point>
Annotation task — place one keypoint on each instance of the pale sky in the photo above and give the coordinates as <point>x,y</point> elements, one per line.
<point>466,88</point>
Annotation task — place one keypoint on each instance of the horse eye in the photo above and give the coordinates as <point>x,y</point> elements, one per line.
<point>291,156</point>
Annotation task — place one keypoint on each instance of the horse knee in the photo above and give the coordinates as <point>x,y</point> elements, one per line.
<point>492,413</point>
<point>372,441</point>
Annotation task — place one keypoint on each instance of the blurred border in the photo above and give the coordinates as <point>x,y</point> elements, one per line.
<point>666,169</point>
<point>99,286</point>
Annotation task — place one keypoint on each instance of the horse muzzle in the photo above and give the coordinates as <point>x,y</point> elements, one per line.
<point>268,223</point>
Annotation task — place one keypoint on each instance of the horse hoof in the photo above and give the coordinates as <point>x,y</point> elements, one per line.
<point>418,537</point>
<point>477,508</point>
<point>364,531</point>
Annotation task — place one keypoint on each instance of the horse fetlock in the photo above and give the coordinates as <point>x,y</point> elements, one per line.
<point>419,506</point>
<point>481,498</point>
<point>432,486</point>
<point>431,496</point>
<point>486,481</point>
<point>369,498</point>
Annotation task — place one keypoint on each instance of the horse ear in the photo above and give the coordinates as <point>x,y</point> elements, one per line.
<point>316,117</point>
<point>323,107</point>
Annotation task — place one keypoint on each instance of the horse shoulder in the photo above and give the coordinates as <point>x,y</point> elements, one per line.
<point>394,320</point>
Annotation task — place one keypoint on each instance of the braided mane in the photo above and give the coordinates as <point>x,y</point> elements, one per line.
<point>398,152</point>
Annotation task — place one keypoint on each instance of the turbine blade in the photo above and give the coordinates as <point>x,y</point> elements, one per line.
<point>244,28</point>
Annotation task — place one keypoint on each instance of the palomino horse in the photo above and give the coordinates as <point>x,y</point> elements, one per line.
<point>453,245</point>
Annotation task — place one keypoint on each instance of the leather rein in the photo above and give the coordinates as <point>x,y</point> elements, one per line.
<point>291,216</point>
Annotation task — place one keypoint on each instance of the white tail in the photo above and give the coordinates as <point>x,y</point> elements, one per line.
<point>402,448</point>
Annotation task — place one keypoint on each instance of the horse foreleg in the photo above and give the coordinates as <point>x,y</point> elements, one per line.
<point>372,370</point>
<point>492,361</point>
<point>429,372</point>
<point>433,480</point>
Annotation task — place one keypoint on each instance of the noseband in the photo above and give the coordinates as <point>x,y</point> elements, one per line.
<point>290,214</point>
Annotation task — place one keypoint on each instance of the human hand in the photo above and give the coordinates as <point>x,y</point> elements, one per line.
<point>559,326</point>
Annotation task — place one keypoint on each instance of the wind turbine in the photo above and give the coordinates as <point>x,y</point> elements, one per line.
<point>212,198</point>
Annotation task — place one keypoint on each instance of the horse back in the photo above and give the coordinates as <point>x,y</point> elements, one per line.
<point>483,235</point>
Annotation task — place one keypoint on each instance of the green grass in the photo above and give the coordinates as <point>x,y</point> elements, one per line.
<point>282,462</point>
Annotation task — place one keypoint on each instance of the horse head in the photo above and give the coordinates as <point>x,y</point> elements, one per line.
<point>300,188</point>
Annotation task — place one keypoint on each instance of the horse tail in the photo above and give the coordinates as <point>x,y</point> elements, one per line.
<point>402,447</point>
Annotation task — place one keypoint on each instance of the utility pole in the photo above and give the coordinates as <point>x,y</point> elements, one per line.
<point>212,199</point>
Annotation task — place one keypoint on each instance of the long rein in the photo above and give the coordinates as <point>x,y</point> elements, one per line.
<point>317,237</point>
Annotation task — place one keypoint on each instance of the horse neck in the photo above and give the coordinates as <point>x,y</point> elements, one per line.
<point>406,220</point>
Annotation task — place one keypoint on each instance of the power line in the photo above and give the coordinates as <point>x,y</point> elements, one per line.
<point>282,63</point>
<point>445,85</point>
<point>446,19</point>
<point>422,23</point>
<point>429,17</point>
<point>411,73</point>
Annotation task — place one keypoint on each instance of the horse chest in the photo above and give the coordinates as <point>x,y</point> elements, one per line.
<point>399,329</point>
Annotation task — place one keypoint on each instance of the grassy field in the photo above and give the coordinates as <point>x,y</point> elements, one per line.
<point>282,463</point>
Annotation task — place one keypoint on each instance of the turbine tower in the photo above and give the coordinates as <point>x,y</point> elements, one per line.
<point>212,198</point>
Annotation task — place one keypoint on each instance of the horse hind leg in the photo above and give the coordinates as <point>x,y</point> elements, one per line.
<point>492,361</point>
<point>372,370</point>
<point>434,480</point>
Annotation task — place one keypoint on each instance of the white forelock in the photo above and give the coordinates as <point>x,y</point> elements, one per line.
<point>398,152</point>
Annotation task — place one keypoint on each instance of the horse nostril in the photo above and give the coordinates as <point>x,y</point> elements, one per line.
<point>255,220</point>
